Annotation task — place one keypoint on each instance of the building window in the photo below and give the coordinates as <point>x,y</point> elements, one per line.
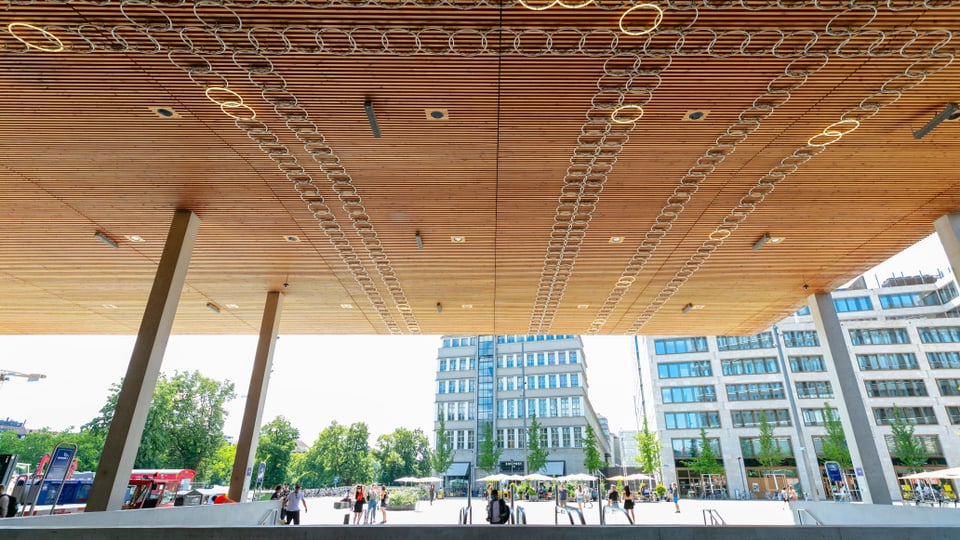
<point>954,414</point>
<point>742,343</point>
<point>680,345</point>
<point>879,362</point>
<point>814,389</point>
<point>878,336</point>
<point>574,380</point>
<point>801,338</point>
<point>749,366</point>
<point>751,417</point>
<point>576,409</point>
<point>910,415</point>
<point>942,334</point>
<point>680,370</point>
<point>807,364</point>
<point>815,417</point>
<point>688,394</point>
<point>692,420</point>
<point>805,310</point>
<point>906,300</point>
<point>856,303</point>
<point>944,360</point>
<point>895,388</point>
<point>931,443</point>
<point>577,437</point>
<point>755,391</point>
<point>686,448</point>
<point>949,387</point>
<point>750,446</point>
<point>948,292</point>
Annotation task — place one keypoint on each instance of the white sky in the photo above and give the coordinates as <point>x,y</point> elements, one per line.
<point>385,381</point>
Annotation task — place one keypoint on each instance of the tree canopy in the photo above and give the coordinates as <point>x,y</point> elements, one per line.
<point>591,451</point>
<point>278,438</point>
<point>835,443</point>
<point>442,457</point>
<point>488,454</point>
<point>648,450</point>
<point>705,459</point>
<point>402,453</point>
<point>906,448</point>
<point>537,455</point>
<point>769,454</point>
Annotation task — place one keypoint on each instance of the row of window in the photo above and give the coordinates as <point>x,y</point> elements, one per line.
<point>750,446</point>
<point>454,386</point>
<point>742,366</point>
<point>458,364</point>
<point>461,439</point>
<point>551,437</point>
<point>466,341</point>
<point>457,410</point>
<point>521,339</point>
<point>538,382</point>
<point>541,407</point>
<point>741,418</point>
<point>551,358</point>
<point>745,392</point>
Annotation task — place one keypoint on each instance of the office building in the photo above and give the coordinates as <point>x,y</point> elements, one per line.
<point>903,341</point>
<point>503,382</point>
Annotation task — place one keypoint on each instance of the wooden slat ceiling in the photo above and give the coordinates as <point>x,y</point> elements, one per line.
<point>527,165</point>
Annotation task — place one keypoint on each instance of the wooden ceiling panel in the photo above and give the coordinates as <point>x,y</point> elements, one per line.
<point>526,164</point>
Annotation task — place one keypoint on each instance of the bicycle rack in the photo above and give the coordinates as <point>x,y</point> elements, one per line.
<point>712,518</point>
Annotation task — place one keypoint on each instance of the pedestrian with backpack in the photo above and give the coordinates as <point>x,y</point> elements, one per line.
<point>498,512</point>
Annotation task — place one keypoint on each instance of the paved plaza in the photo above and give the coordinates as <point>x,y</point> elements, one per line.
<point>446,511</point>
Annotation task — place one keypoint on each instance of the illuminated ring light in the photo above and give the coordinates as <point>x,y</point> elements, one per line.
<point>830,138</point>
<point>574,4</point>
<point>656,21</point>
<point>227,102</point>
<point>837,127</point>
<point>231,105</point>
<point>46,34</point>
<point>539,8</point>
<point>629,119</point>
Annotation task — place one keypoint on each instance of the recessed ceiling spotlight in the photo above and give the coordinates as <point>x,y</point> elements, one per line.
<point>135,238</point>
<point>233,306</point>
<point>292,238</point>
<point>696,115</point>
<point>164,112</point>
<point>458,239</point>
<point>467,306</point>
<point>110,306</point>
<point>616,239</point>
<point>436,114</point>
<point>346,306</point>
<point>763,240</point>
<point>583,306</point>
<point>213,307</point>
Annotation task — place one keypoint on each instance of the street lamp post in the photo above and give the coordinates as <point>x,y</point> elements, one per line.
<point>743,476</point>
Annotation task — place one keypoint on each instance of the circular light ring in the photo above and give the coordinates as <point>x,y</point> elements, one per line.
<point>842,127</point>
<point>656,21</point>
<point>575,4</point>
<point>47,34</point>
<point>823,139</point>
<point>629,119</point>
<point>230,105</point>
<point>227,102</point>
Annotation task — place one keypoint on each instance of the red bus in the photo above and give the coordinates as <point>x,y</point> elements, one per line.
<point>156,488</point>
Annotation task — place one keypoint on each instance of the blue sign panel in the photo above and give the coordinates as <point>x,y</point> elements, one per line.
<point>833,471</point>
<point>859,471</point>
<point>263,468</point>
<point>60,462</point>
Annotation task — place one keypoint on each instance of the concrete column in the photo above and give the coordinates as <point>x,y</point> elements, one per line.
<point>256,397</point>
<point>857,421</point>
<point>133,402</point>
<point>948,231</point>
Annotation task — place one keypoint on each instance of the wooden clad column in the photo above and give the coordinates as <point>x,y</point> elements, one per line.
<point>857,422</point>
<point>133,402</point>
<point>948,231</point>
<point>256,397</point>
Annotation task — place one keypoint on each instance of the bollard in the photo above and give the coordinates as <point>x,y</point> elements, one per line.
<point>346,519</point>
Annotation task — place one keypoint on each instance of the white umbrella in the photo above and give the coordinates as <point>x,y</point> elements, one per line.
<point>492,478</point>
<point>405,479</point>
<point>427,479</point>
<point>615,478</point>
<point>537,476</point>
<point>578,477</point>
<point>638,476</point>
<point>512,477</point>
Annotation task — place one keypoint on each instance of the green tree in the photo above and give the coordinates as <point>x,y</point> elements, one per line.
<point>536,454</point>
<point>402,453</point>
<point>591,451</point>
<point>154,443</point>
<point>277,441</point>
<point>908,449</point>
<point>442,457</point>
<point>37,443</point>
<point>705,459</point>
<point>195,423</point>
<point>219,467</point>
<point>358,463</point>
<point>769,454</point>
<point>488,454</point>
<point>649,450</point>
<point>835,443</point>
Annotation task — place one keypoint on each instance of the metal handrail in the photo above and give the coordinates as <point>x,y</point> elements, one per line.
<point>800,514</point>
<point>609,508</point>
<point>520,518</point>
<point>712,517</point>
<point>466,516</point>
<point>571,512</point>
<point>271,517</point>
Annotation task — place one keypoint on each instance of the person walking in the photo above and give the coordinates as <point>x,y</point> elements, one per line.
<point>580,497</point>
<point>613,497</point>
<point>294,500</point>
<point>358,500</point>
<point>383,504</point>
<point>373,497</point>
<point>675,493</point>
<point>433,493</point>
<point>628,503</point>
